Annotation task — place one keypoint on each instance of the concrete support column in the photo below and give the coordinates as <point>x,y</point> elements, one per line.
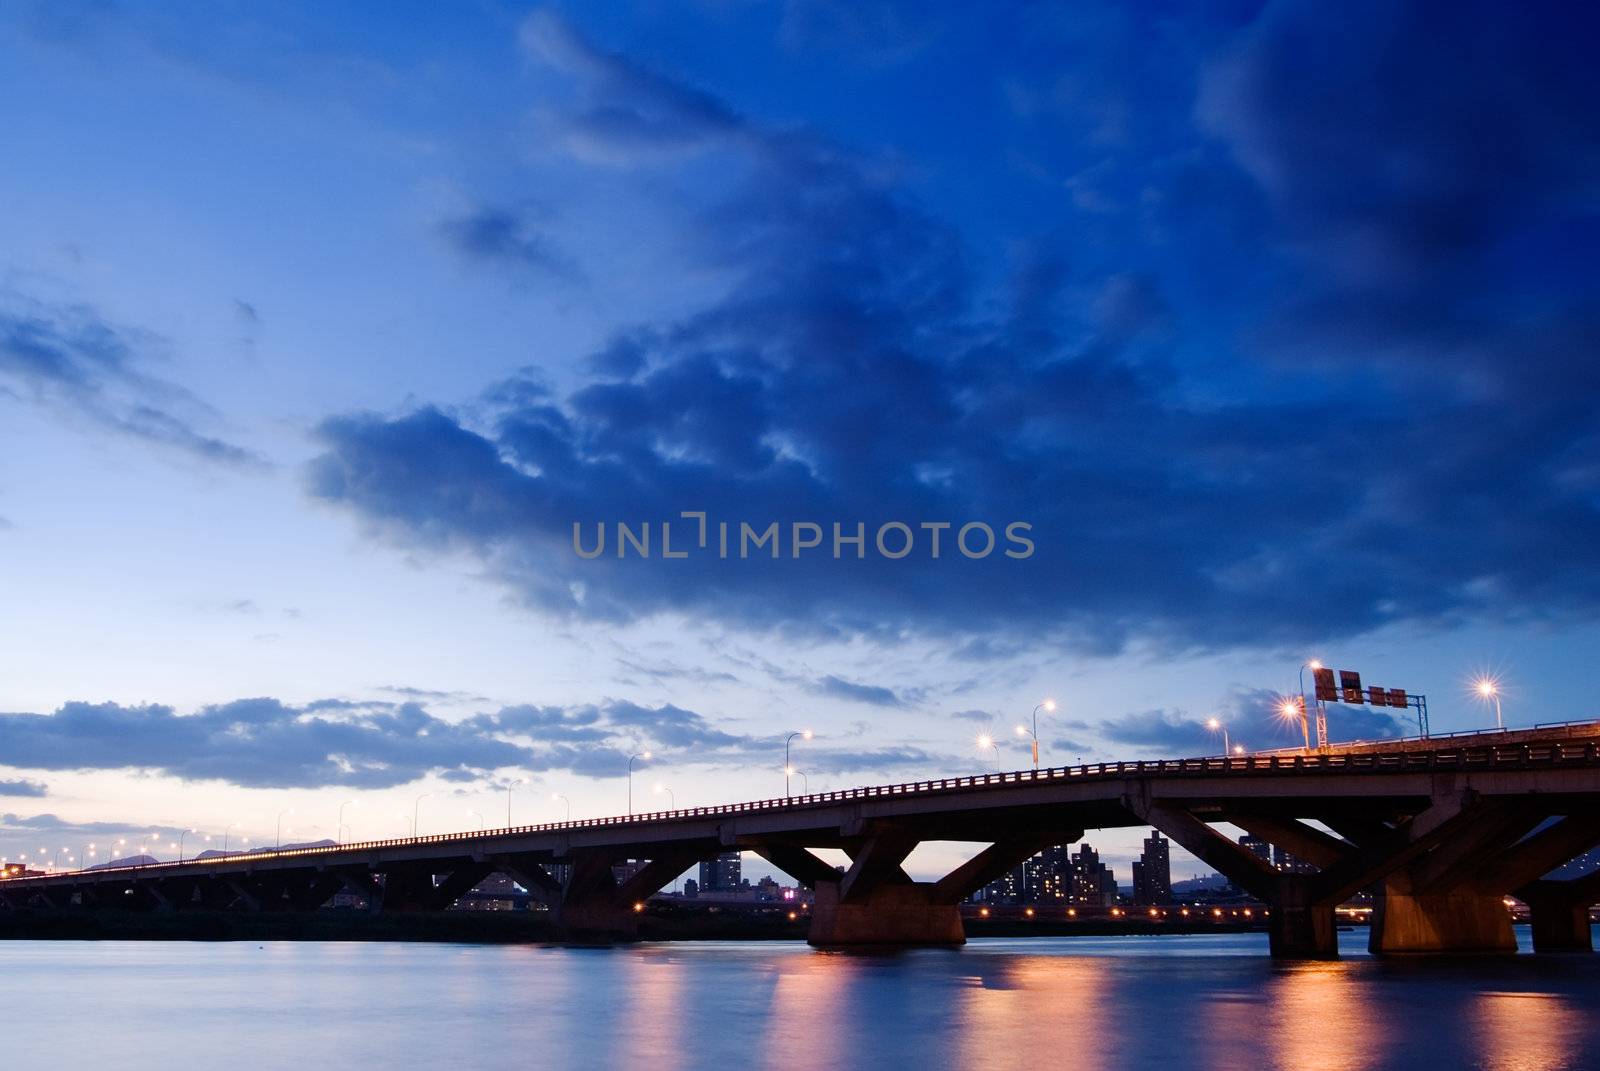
<point>1463,920</point>
<point>1303,930</point>
<point>1560,920</point>
<point>895,913</point>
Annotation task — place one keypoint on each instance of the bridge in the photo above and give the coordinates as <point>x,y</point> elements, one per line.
<point>1440,831</point>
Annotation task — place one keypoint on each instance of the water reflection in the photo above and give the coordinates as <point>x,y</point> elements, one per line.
<point>1319,1017</point>
<point>1213,1004</point>
<point>1527,1031</point>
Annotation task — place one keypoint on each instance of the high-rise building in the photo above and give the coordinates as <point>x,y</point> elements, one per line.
<point>1093,883</point>
<point>720,874</point>
<point>1289,864</point>
<point>1047,877</point>
<point>1257,847</point>
<point>1152,874</point>
<point>1006,889</point>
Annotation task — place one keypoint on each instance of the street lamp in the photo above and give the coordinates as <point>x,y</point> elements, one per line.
<point>1488,688</point>
<point>225,831</point>
<point>185,833</point>
<point>416,812</point>
<point>563,799</point>
<point>788,767</point>
<point>1023,730</point>
<point>1216,725</point>
<point>510,789</point>
<point>645,755</point>
<point>338,829</point>
<point>278,840</point>
<point>479,816</point>
<point>672,800</point>
<point>987,743</point>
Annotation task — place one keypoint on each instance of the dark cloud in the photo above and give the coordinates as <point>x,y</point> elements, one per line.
<point>872,694</point>
<point>1188,487</point>
<point>1253,719</point>
<point>70,359</point>
<point>24,788</point>
<point>265,743</point>
<point>506,236</point>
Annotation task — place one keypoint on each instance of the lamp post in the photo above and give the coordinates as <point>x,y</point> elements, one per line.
<point>338,829</point>
<point>278,837</point>
<point>479,816</point>
<point>672,800</point>
<point>788,767</point>
<point>805,783</point>
<point>512,787</point>
<point>225,831</point>
<point>645,755</point>
<point>1023,730</point>
<point>563,799</point>
<point>1488,688</point>
<point>416,813</point>
<point>182,835</point>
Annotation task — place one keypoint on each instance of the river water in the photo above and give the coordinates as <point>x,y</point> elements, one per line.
<point>1204,1002</point>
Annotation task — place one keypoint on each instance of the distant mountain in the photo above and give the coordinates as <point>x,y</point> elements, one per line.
<point>132,860</point>
<point>1205,883</point>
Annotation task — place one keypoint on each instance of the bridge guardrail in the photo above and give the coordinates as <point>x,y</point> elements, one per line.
<point>1555,753</point>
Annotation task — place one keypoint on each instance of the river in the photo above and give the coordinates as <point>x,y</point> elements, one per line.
<point>1203,1002</point>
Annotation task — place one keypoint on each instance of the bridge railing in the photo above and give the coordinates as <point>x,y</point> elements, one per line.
<point>1555,753</point>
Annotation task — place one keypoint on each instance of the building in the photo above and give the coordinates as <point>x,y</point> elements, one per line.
<point>1152,873</point>
<point>691,889</point>
<point>1284,862</point>
<point>1257,847</point>
<point>1047,877</point>
<point>1006,889</point>
<point>721,874</point>
<point>1093,883</point>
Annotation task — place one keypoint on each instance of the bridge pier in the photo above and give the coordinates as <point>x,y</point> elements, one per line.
<point>891,914</point>
<point>1300,928</point>
<point>1559,912</point>
<point>1462,921</point>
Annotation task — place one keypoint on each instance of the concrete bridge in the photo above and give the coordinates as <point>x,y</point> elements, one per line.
<point>1440,831</point>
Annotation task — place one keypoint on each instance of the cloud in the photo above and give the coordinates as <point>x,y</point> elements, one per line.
<point>24,788</point>
<point>71,360</point>
<point>265,743</point>
<point>857,369</point>
<point>871,694</point>
<point>506,236</point>
<point>1252,719</point>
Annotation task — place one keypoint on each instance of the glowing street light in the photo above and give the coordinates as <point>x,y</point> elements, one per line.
<point>1023,730</point>
<point>1215,725</point>
<point>645,755</point>
<point>563,799</point>
<point>1488,688</point>
<point>672,800</point>
<point>788,767</point>
<point>182,835</point>
<point>986,742</point>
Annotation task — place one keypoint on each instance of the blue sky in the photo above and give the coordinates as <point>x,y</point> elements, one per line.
<point>321,327</point>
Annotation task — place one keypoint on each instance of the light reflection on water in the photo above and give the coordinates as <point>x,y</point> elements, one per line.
<point>1213,1003</point>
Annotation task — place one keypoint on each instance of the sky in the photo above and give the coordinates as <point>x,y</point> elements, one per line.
<point>332,337</point>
